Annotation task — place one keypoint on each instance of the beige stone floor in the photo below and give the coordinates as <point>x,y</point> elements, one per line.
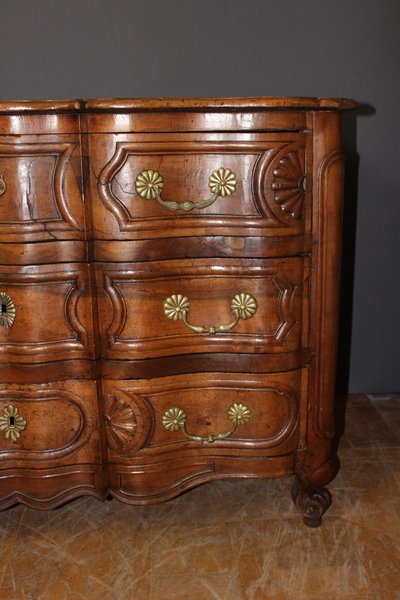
<point>227,540</point>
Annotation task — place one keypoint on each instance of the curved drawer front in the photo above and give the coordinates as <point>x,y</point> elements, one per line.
<point>139,307</point>
<point>40,196</point>
<point>47,423</point>
<point>46,313</point>
<point>207,412</point>
<point>192,184</point>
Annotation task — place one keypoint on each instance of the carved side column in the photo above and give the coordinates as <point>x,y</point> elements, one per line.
<point>317,465</point>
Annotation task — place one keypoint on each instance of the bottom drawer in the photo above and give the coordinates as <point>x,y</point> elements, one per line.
<point>49,442</point>
<point>190,426</point>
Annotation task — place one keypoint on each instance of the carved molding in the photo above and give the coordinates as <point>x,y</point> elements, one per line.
<point>121,423</point>
<point>183,476</point>
<point>323,422</point>
<point>43,400</point>
<point>71,312</point>
<point>123,150</point>
<point>268,212</point>
<point>61,154</point>
<point>79,340</point>
<point>119,310</point>
<point>62,484</point>
<point>243,437</point>
<point>129,421</point>
<point>285,317</point>
<point>143,404</point>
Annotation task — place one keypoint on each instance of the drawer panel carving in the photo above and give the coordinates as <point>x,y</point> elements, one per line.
<point>199,411</point>
<point>60,423</point>
<point>135,323</point>
<point>52,314</point>
<point>47,488</point>
<point>144,184</point>
<point>150,482</point>
<point>136,484</point>
<point>40,197</point>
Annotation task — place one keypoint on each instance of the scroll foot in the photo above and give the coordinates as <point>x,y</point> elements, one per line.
<point>312,504</point>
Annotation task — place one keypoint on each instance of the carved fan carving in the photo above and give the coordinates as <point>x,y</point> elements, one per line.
<point>289,183</point>
<point>120,422</point>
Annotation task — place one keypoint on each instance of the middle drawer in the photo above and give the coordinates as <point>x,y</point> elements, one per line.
<point>167,308</point>
<point>45,313</point>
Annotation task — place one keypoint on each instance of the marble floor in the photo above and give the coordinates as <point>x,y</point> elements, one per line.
<point>227,540</point>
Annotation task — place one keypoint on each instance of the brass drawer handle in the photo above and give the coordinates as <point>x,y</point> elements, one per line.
<point>7,311</point>
<point>3,185</point>
<point>174,419</point>
<point>149,185</point>
<point>243,306</point>
<point>12,423</point>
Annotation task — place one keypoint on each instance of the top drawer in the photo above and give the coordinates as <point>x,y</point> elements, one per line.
<point>163,185</point>
<point>40,198</point>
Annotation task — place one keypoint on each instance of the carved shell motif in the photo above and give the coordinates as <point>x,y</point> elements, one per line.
<point>120,422</point>
<point>7,311</point>
<point>289,183</point>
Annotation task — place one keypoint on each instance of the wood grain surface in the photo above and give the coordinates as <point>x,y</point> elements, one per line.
<point>92,362</point>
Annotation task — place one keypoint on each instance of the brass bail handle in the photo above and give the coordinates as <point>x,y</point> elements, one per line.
<point>149,184</point>
<point>174,419</point>
<point>243,306</point>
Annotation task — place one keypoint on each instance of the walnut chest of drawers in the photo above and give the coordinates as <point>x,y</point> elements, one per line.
<point>168,296</point>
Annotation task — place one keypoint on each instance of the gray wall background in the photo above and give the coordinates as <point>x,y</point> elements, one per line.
<point>143,48</point>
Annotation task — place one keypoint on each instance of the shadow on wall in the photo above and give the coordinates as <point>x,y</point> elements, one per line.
<point>349,141</point>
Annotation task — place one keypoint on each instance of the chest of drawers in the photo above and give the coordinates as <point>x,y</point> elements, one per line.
<point>169,296</point>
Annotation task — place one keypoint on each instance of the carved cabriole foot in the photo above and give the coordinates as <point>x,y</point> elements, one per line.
<point>313,506</point>
<point>309,495</point>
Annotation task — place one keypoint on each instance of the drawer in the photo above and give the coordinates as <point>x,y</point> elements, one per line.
<point>215,184</point>
<point>46,313</point>
<point>172,308</point>
<point>168,434</point>
<point>44,425</point>
<point>40,196</point>
<point>208,413</point>
<point>50,449</point>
